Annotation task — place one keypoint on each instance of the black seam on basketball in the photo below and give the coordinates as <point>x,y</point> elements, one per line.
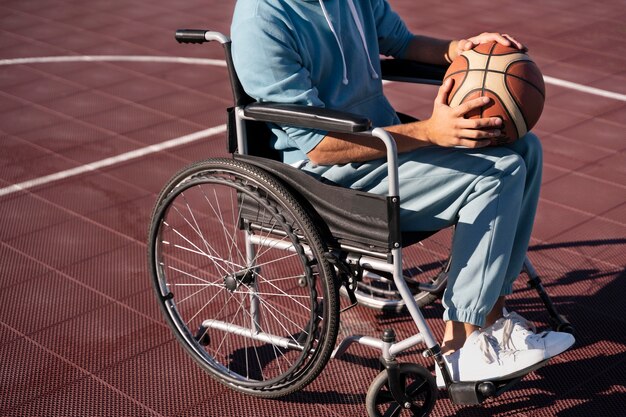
<point>450,97</point>
<point>504,54</point>
<point>482,93</point>
<point>501,73</point>
<point>527,82</point>
<point>468,94</point>
<point>519,106</point>
<point>510,117</point>
<point>506,74</point>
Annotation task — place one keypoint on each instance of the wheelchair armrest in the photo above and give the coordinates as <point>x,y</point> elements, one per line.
<point>307,117</point>
<point>405,70</point>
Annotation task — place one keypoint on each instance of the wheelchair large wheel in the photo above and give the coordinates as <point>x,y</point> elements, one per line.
<point>240,273</point>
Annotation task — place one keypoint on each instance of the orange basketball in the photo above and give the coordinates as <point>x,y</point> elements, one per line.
<point>507,76</point>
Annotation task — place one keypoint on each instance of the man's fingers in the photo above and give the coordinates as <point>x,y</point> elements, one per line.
<point>477,134</point>
<point>515,42</point>
<point>464,108</point>
<point>444,91</point>
<point>472,143</point>
<point>483,123</point>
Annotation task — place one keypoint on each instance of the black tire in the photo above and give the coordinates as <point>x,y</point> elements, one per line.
<point>418,384</point>
<point>209,284</point>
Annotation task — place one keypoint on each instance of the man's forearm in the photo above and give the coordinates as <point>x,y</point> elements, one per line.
<point>345,148</point>
<point>431,50</point>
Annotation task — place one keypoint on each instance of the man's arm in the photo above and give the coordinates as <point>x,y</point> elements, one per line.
<point>446,127</point>
<point>442,52</point>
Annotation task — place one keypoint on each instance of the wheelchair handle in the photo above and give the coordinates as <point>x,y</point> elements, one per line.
<point>203,35</point>
<point>200,36</point>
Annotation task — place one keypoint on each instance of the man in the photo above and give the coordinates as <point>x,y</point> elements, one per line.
<point>326,53</point>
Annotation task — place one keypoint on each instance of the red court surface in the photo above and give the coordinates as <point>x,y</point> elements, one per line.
<point>81,332</point>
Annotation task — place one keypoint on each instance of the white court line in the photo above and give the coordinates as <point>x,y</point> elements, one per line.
<point>220,63</point>
<point>584,88</point>
<point>138,153</point>
<point>194,136</point>
<point>106,58</point>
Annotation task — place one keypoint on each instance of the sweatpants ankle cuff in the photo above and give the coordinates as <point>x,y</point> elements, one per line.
<point>465,316</point>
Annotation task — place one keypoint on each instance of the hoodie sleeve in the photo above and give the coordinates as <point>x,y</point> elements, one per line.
<point>393,35</point>
<point>270,70</point>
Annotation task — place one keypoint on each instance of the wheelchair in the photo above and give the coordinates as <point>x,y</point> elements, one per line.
<point>250,256</point>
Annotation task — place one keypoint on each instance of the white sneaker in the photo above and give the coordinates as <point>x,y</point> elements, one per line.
<point>482,359</point>
<point>515,332</point>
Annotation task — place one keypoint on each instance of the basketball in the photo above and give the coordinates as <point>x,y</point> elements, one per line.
<point>506,75</point>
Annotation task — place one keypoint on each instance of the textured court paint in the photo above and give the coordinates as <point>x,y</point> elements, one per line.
<point>221,63</point>
<point>187,138</point>
<point>138,153</point>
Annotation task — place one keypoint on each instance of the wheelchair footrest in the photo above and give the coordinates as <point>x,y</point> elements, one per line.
<point>470,392</point>
<point>475,392</point>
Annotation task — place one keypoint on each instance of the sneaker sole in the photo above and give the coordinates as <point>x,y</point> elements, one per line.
<point>514,375</point>
<point>562,348</point>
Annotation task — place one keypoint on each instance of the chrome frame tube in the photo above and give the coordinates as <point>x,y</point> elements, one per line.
<point>260,336</point>
<point>255,310</point>
<point>216,36</point>
<point>395,267</point>
<point>392,160</point>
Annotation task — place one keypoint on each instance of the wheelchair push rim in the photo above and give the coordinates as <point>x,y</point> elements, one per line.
<point>239,272</point>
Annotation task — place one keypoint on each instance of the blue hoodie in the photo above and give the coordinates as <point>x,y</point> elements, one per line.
<point>306,52</point>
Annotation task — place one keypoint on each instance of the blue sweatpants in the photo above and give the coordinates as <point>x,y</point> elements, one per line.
<point>491,195</point>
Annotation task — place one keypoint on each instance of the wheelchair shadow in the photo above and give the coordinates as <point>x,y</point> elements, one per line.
<point>586,380</point>
<point>589,378</point>
<point>597,396</point>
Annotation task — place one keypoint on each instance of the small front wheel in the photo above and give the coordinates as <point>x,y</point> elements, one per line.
<point>418,385</point>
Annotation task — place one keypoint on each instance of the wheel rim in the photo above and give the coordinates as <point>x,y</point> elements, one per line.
<point>207,286</point>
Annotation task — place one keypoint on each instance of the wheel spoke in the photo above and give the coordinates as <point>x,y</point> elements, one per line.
<point>238,305</point>
<point>384,397</point>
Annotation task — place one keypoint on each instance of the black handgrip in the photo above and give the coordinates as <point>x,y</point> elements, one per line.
<point>191,35</point>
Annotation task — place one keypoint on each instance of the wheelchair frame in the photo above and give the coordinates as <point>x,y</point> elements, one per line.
<point>349,255</point>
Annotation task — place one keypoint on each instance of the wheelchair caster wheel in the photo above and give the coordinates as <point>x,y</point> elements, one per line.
<point>418,385</point>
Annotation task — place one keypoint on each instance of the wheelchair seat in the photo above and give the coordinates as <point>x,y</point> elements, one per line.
<point>342,212</point>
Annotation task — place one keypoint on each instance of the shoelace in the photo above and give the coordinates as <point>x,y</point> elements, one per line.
<point>489,347</point>
<point>509,324</point>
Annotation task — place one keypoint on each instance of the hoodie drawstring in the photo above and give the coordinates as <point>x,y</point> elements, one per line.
<point>359,26</point>
<point>332,29</point>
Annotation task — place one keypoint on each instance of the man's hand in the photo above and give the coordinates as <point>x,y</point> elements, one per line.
<point>448,126</point>
<point>456,48</point>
